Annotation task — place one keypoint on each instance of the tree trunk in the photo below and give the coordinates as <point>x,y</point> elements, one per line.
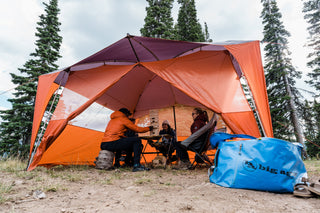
<point>293,111</point>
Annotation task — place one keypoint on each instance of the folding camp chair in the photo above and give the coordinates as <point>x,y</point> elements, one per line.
<point>199,142</point>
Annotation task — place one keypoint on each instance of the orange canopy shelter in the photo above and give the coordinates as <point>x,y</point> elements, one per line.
<point>141,74</point>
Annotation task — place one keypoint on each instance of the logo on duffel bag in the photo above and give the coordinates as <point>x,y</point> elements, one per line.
<point>252,165</point>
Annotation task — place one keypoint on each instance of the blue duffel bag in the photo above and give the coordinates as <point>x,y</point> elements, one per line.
<point>266,164</point>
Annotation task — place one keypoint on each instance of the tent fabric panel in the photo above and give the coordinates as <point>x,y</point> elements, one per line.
<point>200,75</point>
<point>118,51</point>
<point>69,101</point>
<point>161,49</point>
<point>207,88</point>
<point>89,82</point>
<point>249,57</point>
<point>58,127</point>
<point>52,129</point>
<point>159,94</point>
<point>45,90</point>
<point>154,94</point>
<point>62,78</point>
<point>242,123</point>
<point>140,90</point>
<point>126,91</point>
<point>145,50</point>
<point>82,148</point>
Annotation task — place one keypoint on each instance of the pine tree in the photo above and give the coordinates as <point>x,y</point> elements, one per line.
<point>15,130</point>
<point>311,8</point>
<point>158,22</point>
<point>311,115</point>
<point>280,75</point>
<point>309,122</point>
<point>188,27</point>
<point>206,33</point>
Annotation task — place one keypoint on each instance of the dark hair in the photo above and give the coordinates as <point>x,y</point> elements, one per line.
<point>203,113</point>
<point>199,111</point>
<point>206,115</point>
<point>169,130</point>
<point>169,127</point>
<point>125,111</point>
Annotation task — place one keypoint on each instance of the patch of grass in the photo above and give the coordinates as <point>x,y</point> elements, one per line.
<point>65,173</point>
<point>77,168</point>
<point>116,175</point>
<point>12,165</point>
<point>54,174</point>
<point>140,174</point>
<point>179,172</point>
<point>107,181</point>
<point>26,175</point>
<point>111,176</point>
<point>54,188</point>
<point>313,166</point>
<point>2,199</point>
<point>4,189</point>
<point>39,179</point>
<point>51,189</point>
<point>169,184</point>
<point>72,177</point>
<point>143,181</point>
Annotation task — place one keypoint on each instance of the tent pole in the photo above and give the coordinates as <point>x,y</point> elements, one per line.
<point>254,105</point>
<point>174,118</point>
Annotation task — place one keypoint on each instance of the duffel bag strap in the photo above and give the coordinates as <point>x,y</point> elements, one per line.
<point>218,137</point>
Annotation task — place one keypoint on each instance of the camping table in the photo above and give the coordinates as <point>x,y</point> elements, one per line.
<point>152,141</point>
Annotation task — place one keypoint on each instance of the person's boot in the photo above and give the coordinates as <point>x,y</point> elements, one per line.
<point>139,168</point>
<point>182,165</point>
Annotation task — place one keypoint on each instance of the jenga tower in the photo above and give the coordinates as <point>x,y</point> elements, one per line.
<point>154,121</point>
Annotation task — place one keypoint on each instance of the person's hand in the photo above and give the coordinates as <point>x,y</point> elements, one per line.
<point>150,128</point>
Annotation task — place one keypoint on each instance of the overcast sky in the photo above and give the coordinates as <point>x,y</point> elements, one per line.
<point>91,25</point>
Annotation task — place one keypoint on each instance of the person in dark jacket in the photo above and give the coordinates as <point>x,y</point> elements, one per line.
<point>114,138</point>
<point>169,139</point>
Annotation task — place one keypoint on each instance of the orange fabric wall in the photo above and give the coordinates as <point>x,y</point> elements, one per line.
<point>83,147</point>
<point>248,56</point>
<point>76,146</point>
<point>216,86</point>
<point>45,89</point>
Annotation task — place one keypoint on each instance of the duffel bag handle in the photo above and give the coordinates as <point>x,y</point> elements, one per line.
<point>217,137</point>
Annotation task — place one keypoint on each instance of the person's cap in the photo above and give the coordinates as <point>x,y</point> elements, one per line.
<point>166,122</point>
<point>125,111</point>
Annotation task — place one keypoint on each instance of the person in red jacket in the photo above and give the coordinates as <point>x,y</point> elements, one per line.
<point>200,118</point>
<point>114,138</point>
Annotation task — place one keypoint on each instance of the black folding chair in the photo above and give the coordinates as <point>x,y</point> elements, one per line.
<point>199,142</point>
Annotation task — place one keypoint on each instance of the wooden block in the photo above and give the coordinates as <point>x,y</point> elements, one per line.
<point>154,121</point>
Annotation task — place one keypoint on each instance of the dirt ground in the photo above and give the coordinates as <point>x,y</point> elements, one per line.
<point>85,189</point>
